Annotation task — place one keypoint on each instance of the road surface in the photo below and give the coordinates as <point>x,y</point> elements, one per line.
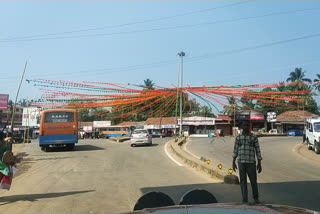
<point>98,177</point>
<point>291,173</point>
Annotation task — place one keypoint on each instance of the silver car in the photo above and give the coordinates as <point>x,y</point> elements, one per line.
<point>141,136</point>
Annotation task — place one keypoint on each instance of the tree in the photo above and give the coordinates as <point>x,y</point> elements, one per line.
<point>317,82</point>
<point>298,76</point>
<point>148,84</point>
<point>231,108</point>
<point>23,102</point>
<point>247,103</point>
<point>207,112</point>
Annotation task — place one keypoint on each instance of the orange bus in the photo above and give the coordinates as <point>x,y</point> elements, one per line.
<point>58,127</point>
<point>115,131</point>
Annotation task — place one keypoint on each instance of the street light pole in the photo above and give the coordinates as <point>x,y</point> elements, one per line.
<point>175,129</point>
<point>181,55</point>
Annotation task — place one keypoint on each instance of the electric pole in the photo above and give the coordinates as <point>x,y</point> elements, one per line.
<point>181,55</point>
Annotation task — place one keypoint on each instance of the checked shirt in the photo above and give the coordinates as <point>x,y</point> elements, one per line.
<point>246,147</point>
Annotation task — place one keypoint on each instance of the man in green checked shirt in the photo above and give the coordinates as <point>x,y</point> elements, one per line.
<point>246,148</point>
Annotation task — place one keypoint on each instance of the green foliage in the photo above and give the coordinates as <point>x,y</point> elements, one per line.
<point>232,107</point>
<point>298,76</point>
<point>317,83</point>
<point>148,84</point>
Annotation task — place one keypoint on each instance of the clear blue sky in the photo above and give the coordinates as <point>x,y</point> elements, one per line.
<point>79,59</point>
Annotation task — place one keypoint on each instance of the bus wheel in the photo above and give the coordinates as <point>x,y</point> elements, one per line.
<point>42,148</point>
<point>46,148</point>
<point>70,147</point>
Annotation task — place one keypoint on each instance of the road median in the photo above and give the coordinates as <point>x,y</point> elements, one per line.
<point>119,139</point>
<point>201,165</point>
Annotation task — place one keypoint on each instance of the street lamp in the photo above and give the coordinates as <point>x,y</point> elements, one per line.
<point>181,55</point>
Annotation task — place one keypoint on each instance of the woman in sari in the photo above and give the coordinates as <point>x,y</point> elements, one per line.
<point>5,173</point>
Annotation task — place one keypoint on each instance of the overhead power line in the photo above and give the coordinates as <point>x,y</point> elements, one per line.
<point>252,47</point>
<point>129,23</point>
<point>200,57</point>
<point>157,29</point>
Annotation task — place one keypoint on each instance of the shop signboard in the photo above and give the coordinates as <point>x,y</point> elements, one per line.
<point>272,117</point>
<point>197,121</point>
<point>31,117</point>
<point>243,116</point>
<point>87,129</point>
<point>101,124</point>
<point>256,116</point>
<point>4,101</point>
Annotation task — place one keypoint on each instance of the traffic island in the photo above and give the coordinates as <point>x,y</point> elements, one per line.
<point>119,139</point>
<point>204,166</point>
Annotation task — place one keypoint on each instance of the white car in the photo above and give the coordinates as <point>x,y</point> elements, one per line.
<point>313,134</point>
<point>141,136</point>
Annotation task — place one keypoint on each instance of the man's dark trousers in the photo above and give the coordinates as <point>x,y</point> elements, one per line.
<point>250,170</point>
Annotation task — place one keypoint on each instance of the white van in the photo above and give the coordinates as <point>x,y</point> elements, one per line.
<point>312,130</point>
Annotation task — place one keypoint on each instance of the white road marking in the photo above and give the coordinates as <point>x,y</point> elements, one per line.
<point>185,149</point>
<point>167,153</point>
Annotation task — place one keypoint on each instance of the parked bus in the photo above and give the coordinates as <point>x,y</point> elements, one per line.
<point>115,131</point>
<point>58,127</point>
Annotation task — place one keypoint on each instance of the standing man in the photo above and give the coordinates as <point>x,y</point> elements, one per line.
<point>246,147</point>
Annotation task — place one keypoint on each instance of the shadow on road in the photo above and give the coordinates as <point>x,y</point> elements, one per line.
<point>35,197</point>
<point>304,194</point>
<point>77,148</point>
<point>152,145</point>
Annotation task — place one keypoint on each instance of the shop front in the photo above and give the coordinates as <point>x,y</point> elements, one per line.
<point>257,121</point>
<point>198,125</point>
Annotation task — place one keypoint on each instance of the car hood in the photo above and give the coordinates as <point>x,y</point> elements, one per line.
<point>221,208</point>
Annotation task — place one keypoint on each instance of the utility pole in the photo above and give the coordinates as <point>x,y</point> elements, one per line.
<point>181,55</point>
<point>234,115</point>
<point>15,102</point>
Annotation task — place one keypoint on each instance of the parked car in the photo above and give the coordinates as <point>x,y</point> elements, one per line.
<point>18,138</point>
<point>141,136</point>
<point>295,132</point>
<point>158,134</point>
<point>313,134</point>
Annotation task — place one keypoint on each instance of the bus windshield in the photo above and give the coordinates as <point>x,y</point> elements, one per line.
<point>59,117</point>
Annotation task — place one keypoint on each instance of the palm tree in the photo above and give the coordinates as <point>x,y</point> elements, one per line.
<point>232,108</point>
<point>298,76</point>
<point>148,84</point>
<point>317,83</point>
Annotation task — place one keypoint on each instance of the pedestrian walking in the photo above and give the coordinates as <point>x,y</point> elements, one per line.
<point>246,150</point>
<point>6,162</point>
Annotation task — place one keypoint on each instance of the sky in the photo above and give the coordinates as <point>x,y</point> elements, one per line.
<point>130,41</point>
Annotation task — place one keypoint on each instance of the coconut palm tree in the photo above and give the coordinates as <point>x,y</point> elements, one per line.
<point>317,83</point>
<point>298,76</point>
<point>148,84</point>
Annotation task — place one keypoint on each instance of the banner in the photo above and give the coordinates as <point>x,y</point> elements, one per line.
<point>31,117</point>
<point>272,117</point>
<point>101,124</point>
<point>256,116</point>
<point>4,101</point>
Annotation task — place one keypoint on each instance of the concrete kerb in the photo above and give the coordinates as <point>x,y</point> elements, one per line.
<point>175,146</point>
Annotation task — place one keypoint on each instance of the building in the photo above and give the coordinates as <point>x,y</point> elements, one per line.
<point>256,119</point>
<point>5,117</point>
<point>198,125</point>
<point>166,125</point>
<point>292,120</point>
<point>223,125</point>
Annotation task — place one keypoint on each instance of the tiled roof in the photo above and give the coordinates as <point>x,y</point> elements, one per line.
<point>164,121</point>
<point>294,116</point>
<point>224,117</point>
<point>127,123</point>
